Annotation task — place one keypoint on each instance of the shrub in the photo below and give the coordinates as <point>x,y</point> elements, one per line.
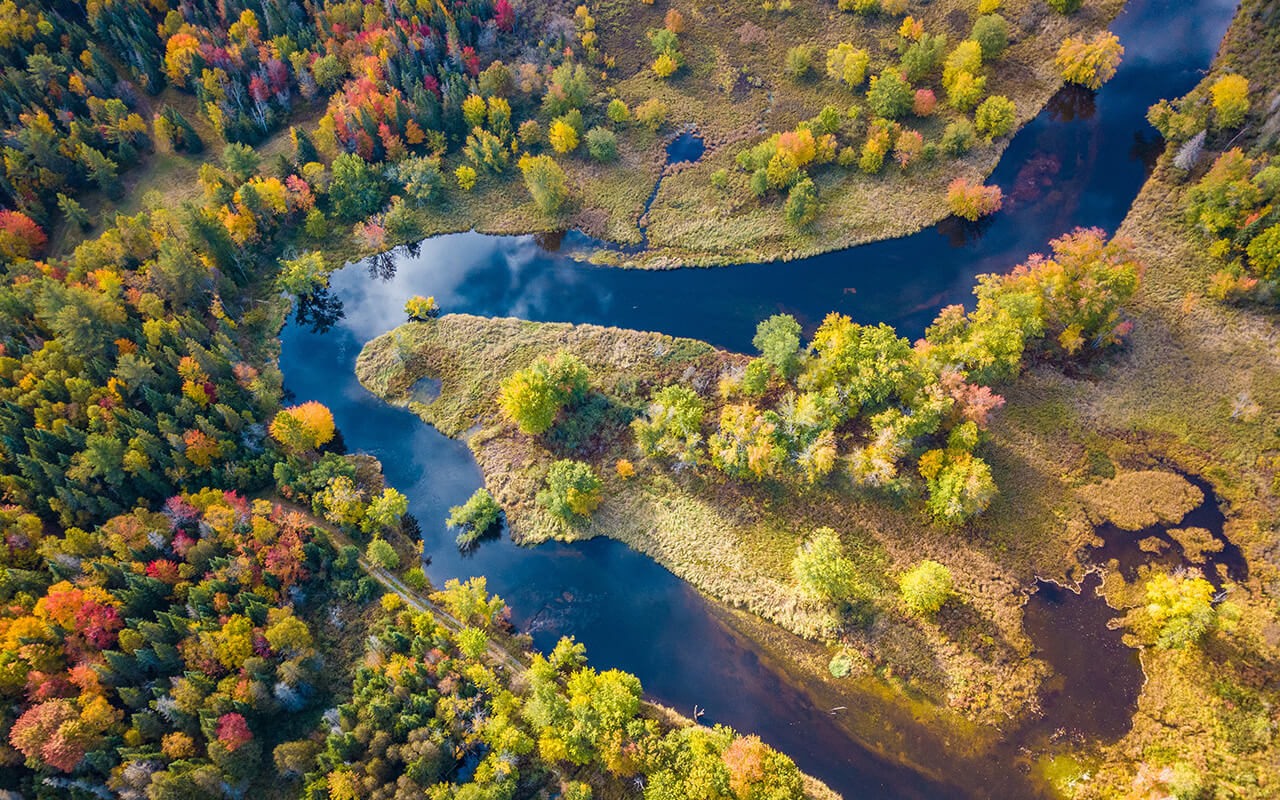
<point>382,554</point>
<point>963,488</point>
<point>965,90</point>
<point>926,587</point>
<point>530,133</point>
<point>966,57</point>
<point>466,177</point>
<point>416,579</point>
<point>546,182</point>
<point>421,309</point>
<point>908,148</point>
<point>1182,607</point>
<point>995,117</point>
<point>1090,63</point>
<point>973,201</point>
<point>563,136</point>
<point>664,66</point>
<point>991,32</point>
<point>602,144</point>
<point>778,340</point>
<point>822,570</point>
<point>841,665</point>
<point>672,426</point>
<point>573,490</point>
<point>1230,100</point>
<point>720,179</point>
<point>890,96</point>
<point>421,178</point>
<point>1066,6</point>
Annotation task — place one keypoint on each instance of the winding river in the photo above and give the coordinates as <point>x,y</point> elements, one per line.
<point>1080,163</point>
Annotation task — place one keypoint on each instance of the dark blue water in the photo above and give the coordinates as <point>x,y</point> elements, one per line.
<point>686,146</point>
<point>1081,162</point>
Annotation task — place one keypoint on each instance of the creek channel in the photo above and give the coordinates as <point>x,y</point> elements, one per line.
<point>1079,163</point>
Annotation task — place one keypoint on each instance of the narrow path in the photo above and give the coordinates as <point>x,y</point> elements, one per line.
<point>419,601</point>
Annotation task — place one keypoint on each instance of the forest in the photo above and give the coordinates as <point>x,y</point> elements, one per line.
<point>215,585</point>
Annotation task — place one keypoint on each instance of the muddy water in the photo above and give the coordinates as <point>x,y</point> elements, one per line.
<point>1080,162</point>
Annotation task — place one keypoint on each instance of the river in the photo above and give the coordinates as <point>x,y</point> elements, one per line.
<point>1079,163</point>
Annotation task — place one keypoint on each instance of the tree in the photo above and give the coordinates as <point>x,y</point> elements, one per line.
<point>466,177</point>
<point>355,189</point>
<point>822,570</point>
<point>798,63</point>
<point>958,137</point>
<point>384,511</point>
<point>381,554</point>
<point>241,160</point>
<point>1066,6</point>
<point>923,56</point>
<point>20,236</point>
<point>545,181</point>
<point>847,65</point>
<point>602,144</point>
<point>421,309</point>
<point>74,212</point>
<point>991,32</point>
<point>533,397</point>
<point>617,112</point>
<point>1089,63</point>
<point>652,113</point>
<point>926,587</point>
<point>890,96</point>
<point>995,117</point>
<point>421,178</point>
<point>303,275</point>
<point>673,425</point>
<point>801,208</point>
<point>778,340</point>
<point>972,202</point>
<point>475,517</point>
<point>1230,100</point>
<point>572,490</point>
<point>303,427</point>
<point>962,488</point>
<point>1182,607</point>
<point>563,136</point>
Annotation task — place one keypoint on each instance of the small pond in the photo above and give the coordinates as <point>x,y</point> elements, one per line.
<point>1081,162</point>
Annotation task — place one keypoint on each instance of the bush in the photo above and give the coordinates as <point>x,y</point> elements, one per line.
<point>991,32</point>
<point>1090,63</point>
<point>466,177</point>
<point>923,56</point>
<point>382,554</point>
<point>573,490</point>
<point>602,144</point>
<point>995,117</point>
<point>926,587</point>
<point>421,178</point>
<point>778,340</point>
<point>672,427</point>
<point>652,113</point>
<point>563,136</point>
<point>890,96</point>
<point>923,103</point>
<point>617,112</point>
<point>1230,100</point>
<point>1066,6</point>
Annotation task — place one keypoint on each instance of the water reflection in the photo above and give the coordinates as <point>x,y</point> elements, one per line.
<point>1058,173</point>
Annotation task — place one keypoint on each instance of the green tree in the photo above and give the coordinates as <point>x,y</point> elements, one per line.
<point>475,517</point>
<point>924,56</point>
<point>798,63</point>
<point>995,117</point>
<point>926,587</point>
<point>303,275</point>
<point>241,161</point>
<point>421,178</point>
<point>602,144</point>
<point>384,511</point>
<point>802,206</point>
<point>572,490</point>
<point>545,181</point>
<point>778,340</point>
<point>382,554</point>
<point>991,32</point>
<point>822,570</point>
<point>890,96</point>
<point>1182,608</point>
<point>355,189</point>
<point>672,427</point>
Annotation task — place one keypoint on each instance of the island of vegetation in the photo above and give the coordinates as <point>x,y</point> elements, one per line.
<point>205,596</point>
